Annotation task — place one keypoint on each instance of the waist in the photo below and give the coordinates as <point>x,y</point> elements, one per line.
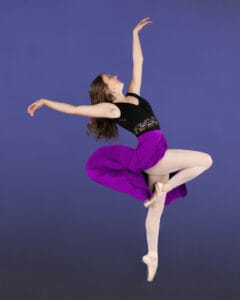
<point>146,125</point>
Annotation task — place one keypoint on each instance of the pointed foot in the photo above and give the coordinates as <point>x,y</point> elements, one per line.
<point>151,260</point>
<point>158,187</point>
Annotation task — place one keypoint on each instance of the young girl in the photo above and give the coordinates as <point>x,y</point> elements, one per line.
<point>151,172</point>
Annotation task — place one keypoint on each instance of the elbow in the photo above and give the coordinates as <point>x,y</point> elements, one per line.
<point>74,110</point>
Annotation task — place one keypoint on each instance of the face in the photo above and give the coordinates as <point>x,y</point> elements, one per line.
<point>113,83</point>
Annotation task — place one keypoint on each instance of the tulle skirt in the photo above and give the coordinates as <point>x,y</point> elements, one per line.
<point>121,168</point>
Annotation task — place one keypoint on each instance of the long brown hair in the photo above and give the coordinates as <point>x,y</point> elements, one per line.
<point>101,127</point>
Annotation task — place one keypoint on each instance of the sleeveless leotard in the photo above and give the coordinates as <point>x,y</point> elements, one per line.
<point>137,119</point>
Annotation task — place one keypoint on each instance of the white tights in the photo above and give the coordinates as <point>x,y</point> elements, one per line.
<point>155,211</point>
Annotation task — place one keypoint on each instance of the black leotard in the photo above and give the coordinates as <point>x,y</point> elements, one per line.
<point>137,118</point>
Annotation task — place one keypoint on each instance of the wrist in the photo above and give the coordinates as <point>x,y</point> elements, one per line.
<point>135,32</point>
<point>43,101</point>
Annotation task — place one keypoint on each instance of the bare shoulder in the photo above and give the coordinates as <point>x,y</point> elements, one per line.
<point>111,110</point>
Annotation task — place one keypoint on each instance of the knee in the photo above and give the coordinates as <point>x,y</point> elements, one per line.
<point>208,161</point>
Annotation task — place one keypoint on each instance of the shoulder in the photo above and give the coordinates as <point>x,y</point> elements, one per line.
<point>111,110</point>
<point>135,95</point>
<point>132,94</point>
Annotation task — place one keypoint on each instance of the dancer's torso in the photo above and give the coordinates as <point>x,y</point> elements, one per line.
<point>137,119</point>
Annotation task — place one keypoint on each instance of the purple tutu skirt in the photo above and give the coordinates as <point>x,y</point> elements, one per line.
<point>121,168</point>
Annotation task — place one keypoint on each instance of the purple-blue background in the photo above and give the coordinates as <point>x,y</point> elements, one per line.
<point>64,236</point>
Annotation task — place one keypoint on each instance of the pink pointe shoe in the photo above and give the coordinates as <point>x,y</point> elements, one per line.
<point>158,189</point>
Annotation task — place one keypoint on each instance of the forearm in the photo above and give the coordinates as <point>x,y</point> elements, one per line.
<point>59,106</point>
<point>136,48</point>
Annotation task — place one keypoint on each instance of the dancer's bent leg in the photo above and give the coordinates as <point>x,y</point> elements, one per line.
<point>188,163</point>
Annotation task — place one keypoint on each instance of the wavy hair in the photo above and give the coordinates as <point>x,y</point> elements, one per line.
<point>101,127</point>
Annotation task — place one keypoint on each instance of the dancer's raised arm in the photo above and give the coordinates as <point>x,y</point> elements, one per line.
<point>136,80</point>
<point>100,110</point>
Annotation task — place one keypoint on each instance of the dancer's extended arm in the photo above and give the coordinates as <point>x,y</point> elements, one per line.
<point>136,80</point>
<point>100,110</point>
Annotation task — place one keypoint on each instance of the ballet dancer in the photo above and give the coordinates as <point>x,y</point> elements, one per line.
<point>151,173</point>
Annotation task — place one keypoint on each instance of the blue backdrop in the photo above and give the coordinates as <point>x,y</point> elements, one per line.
<point>64,236</point>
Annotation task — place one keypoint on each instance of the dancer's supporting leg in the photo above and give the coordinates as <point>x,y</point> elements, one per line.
<point>189,163</point>
<point>152,225</point>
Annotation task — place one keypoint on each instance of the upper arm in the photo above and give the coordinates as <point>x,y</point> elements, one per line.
<point>136,80</point>
<point>100,110</point>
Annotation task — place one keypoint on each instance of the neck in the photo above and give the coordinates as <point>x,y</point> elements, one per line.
<point>119,97</point>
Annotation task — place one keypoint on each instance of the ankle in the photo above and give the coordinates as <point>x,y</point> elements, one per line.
<point>152,254</point>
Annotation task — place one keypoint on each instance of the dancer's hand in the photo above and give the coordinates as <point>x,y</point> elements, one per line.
<point>34,106</point>
<point>141,24</point>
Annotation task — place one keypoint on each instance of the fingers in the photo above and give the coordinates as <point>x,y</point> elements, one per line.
<point>145,19</point>
<point>30,109</point>
<point>31,112</point>
<point>142,23</point>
